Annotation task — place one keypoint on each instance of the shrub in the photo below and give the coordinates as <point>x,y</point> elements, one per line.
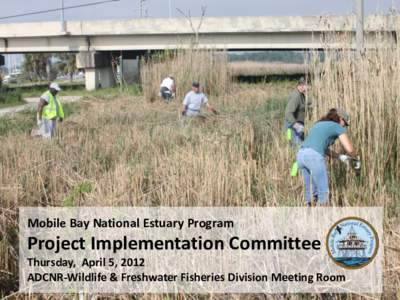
<point>10,96</point>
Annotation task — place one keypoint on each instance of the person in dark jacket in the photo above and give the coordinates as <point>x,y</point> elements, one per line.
<point>295,113</point>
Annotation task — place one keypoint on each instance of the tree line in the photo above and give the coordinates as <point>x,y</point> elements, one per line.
<point>44,66</point>
<point>285,56</point>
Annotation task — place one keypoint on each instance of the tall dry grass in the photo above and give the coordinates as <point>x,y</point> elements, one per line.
<point>131,151</point>
<point>367,86</point>
<point>255,68</point>
<point>209,67</point>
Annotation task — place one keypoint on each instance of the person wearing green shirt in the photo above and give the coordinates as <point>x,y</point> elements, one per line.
<point>311,156</point>
<point>295,113</point>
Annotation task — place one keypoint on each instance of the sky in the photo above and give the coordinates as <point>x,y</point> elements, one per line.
<point>129,9</point>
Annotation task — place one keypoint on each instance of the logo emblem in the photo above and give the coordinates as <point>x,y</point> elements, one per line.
<point>352,243</point>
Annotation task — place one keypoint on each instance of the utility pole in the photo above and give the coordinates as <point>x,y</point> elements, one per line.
<point>141,8</point>
<point>63,27</point>
<point>360,25</point>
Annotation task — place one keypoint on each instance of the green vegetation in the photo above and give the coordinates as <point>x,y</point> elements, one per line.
<point>45,66</point>
<point>76,89</point>
<point>35,67</point>
<point>24,122</point>
<point>10,97</point>
<point>17,125</point>
<point>66,64</point>
<point>78,191</point>
<point>39,88</point>
<point>113,93</point>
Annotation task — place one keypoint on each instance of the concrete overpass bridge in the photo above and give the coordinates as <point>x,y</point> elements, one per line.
<point>95,40</point>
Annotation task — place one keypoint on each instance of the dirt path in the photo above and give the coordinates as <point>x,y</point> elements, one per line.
<point>31,103</point>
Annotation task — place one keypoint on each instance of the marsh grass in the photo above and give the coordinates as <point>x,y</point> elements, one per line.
<point>367,86</point>
<point>10,98</point>
<point>260,68</point>
<point>130,150</point>
<point>209,67</point>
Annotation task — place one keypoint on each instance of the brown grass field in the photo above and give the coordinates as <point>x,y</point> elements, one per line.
<point>124,149</point>
<point>254,68</point>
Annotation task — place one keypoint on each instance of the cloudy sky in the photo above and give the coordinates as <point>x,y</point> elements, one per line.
<point>128,9</point>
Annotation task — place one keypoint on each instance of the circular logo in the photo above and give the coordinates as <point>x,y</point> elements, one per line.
<point>352,243</point>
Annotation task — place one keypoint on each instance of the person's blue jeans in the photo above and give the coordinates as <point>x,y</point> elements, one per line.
<point>166,94</point>
<point>296,139</point>
<point>312,166</point>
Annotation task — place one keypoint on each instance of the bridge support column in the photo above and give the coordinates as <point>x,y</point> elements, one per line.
<point>96,78</point>
<point>98,69</point>
<point>130,70</point>
<point>2,60</point>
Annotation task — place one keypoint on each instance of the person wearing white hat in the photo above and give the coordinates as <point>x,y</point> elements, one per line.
<point>49,110</point>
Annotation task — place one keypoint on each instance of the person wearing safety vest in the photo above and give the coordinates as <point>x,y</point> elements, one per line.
<point>49,111</point>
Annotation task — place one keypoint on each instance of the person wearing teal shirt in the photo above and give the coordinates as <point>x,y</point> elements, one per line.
<point>311,156</point>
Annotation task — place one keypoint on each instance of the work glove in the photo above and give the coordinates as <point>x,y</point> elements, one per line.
<point>356,164</point>
<point>298,127</point>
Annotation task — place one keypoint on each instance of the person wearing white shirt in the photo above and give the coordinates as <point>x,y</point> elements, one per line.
<point>167,88</point>
<point>194,101</point>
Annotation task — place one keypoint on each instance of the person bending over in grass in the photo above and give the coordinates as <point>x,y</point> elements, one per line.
<point>168,88</point>
<point>193,102</point>
<point>311,156</point>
